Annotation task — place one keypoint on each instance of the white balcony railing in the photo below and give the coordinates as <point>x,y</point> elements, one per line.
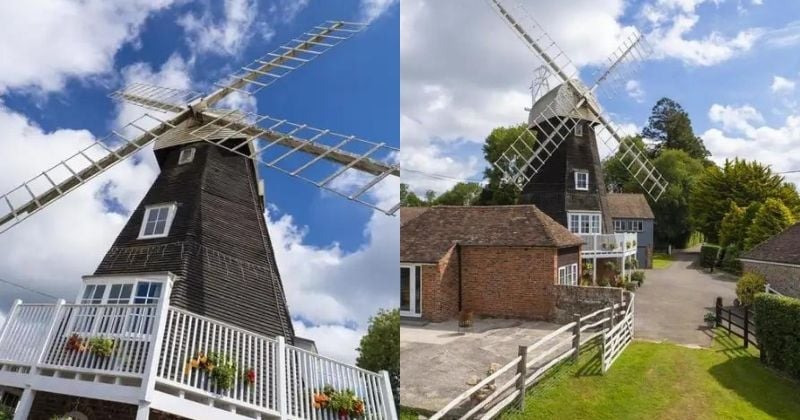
<point>271,378</point>
<point>612,244</point>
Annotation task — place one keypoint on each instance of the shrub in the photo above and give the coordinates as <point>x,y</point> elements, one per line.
<point>709,254</point>
<point>772,218</point>
<point>638,277</point>
<point>730,262</point>
<point>102,346</point>
<point>777,324</point>
<point>630,286</point>
<point>747,287</point>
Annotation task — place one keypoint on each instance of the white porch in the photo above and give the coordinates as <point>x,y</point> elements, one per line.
<point>620,246</point>
<point>148,364</point>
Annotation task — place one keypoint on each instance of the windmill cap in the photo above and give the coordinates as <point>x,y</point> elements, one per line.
<point>561,101</point>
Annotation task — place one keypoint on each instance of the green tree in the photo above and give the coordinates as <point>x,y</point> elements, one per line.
<point>462,194</point>
<point>669,125</point>
<point>616,177</point>
<point>672,209</point>
<point>772,218</point>
<point>497,190</point>
<point>408,198</point>
<point>740,182</point>
<point>380,347</point>
<point>733,227</point>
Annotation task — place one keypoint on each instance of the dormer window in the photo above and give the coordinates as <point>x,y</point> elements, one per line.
<point>582,180</point>
<point>186,156</point>
<point>578,130</point>
<point>157,221</point>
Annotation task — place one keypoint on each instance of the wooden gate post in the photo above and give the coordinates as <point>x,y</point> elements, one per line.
<point>576,340</point>
<point>718,311</point>
<point>746,326</point>
<point>522,370</point>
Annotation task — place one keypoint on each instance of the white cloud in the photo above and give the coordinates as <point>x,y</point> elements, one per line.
<point>226,36</point>
<point>372,9</point>
<point>782,85</point>
<point>48,42</point>
<point>635,90</point>
<point>743,133</point>
<point>335,341</point>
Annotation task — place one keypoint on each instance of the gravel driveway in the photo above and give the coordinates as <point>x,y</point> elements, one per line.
<point>671,303</point>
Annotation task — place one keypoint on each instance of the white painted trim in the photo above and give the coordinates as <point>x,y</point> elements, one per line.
<point>186,155</point>
<point>585,213</point>
<point>173,207</point>
<point>151,365</point>
<point>769,263</point>
<point>189,409</point>
<point>412,290</point>
<point>582,172</point>
<point>388,397</point>
<point>280,380</point>
<point>25,404</point>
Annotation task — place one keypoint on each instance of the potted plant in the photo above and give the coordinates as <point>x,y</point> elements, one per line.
<point>75,343</point>
<point>222,369</point>
<point>249,376</point>
<point>343,403</point>
<point>710,319</point>
<point>102,346</point>
<point>465,319</point>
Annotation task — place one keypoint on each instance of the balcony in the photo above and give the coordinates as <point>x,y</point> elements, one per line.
<point>608,245</point>
<point>154,356</point>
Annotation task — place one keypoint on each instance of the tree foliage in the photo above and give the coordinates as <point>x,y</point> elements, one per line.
<point>408,198</point>
<point>733,227</point>
<point>669,125</point>
<point>739,181</point>
<point>380,347</point>
<point>672,209</point>
<point>772,218</point>
<point>462,194</point>
<point>497,190</point>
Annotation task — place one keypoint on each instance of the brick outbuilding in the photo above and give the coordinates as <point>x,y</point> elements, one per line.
<point>502,261</point>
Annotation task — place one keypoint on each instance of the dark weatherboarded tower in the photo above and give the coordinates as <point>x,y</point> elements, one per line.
<point>569,187</point>
<point>203,220</point>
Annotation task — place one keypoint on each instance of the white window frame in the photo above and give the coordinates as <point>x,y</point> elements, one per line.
<point>186,156</point>
<point>594,219</point>
<point>568,275</point>
<point>628,225</point>
<point>413,310</point>
<point>579,130</point>
<point>172,207</point>
<point>577,180</point>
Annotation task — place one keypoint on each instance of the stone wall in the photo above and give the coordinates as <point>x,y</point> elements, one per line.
<point>583,300</point>
<point>47,405</point>
<point>784,279</point>
<point>514,282</point>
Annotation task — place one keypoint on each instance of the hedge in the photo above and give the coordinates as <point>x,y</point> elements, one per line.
<point>730,261</point>
<point>709,255</point>
<point>778,331</point>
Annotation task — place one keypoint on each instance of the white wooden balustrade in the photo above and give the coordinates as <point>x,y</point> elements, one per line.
<point>611,245</point>
<point>35,340</point>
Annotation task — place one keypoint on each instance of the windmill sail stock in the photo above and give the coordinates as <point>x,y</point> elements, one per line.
<point>520,162</point>
<point>356,167</point>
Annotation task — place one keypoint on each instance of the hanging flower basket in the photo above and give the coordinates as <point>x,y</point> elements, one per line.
<point>343,403</point>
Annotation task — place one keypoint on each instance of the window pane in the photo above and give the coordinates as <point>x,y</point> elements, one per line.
<point>88,291</point>
<point>155,290</point>
<point>115,290</point>
<point>98,291</point>
<point>152,214</point>
<point>405,289</point>
<point>149,228</point>
<point>126,291</point>
<point>162,213</point>
<point>161,226</point>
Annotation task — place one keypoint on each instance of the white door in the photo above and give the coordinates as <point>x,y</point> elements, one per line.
<point>410,288</point>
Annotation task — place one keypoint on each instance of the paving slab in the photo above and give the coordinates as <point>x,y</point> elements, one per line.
<point>671,304</point>
<point>436,361</point>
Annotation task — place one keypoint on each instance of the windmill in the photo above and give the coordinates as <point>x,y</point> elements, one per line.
<point>563,122</point>
<point>193,272</point>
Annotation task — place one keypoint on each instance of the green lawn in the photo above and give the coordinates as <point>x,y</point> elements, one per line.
<point>665,381</point>
<point>406,414</point>
<point>661,261</point>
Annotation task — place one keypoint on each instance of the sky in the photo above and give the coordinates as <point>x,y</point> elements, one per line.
<point>338,259</point>
<point>732,65</point>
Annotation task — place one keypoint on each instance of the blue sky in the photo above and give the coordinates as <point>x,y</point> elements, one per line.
<point>337,258</point>
<point>732,64</point>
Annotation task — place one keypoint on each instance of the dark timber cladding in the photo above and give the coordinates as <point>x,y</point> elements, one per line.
<point>218,244</point>
<point>552,189</point>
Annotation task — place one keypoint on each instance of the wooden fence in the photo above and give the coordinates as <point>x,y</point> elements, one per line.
<point>614,324</point>
<point>742,324</point>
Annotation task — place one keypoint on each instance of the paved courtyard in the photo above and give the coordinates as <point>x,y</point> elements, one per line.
<point>671,304</point>
<point>437,361</point>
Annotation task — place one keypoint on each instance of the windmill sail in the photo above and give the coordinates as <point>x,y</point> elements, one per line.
<point>157,98</point>
<point>345,165</point>
<point>78,169</point>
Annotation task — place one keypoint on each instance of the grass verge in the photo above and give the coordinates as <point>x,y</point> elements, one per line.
<point>665,381</point>
<point>661,261</point>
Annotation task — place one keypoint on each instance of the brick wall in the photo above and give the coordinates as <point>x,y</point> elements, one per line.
<point>784,279</point>
<point>440,288</point>
<point>509,282</point>
<point>47,405</point>
<point>583,300</point>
